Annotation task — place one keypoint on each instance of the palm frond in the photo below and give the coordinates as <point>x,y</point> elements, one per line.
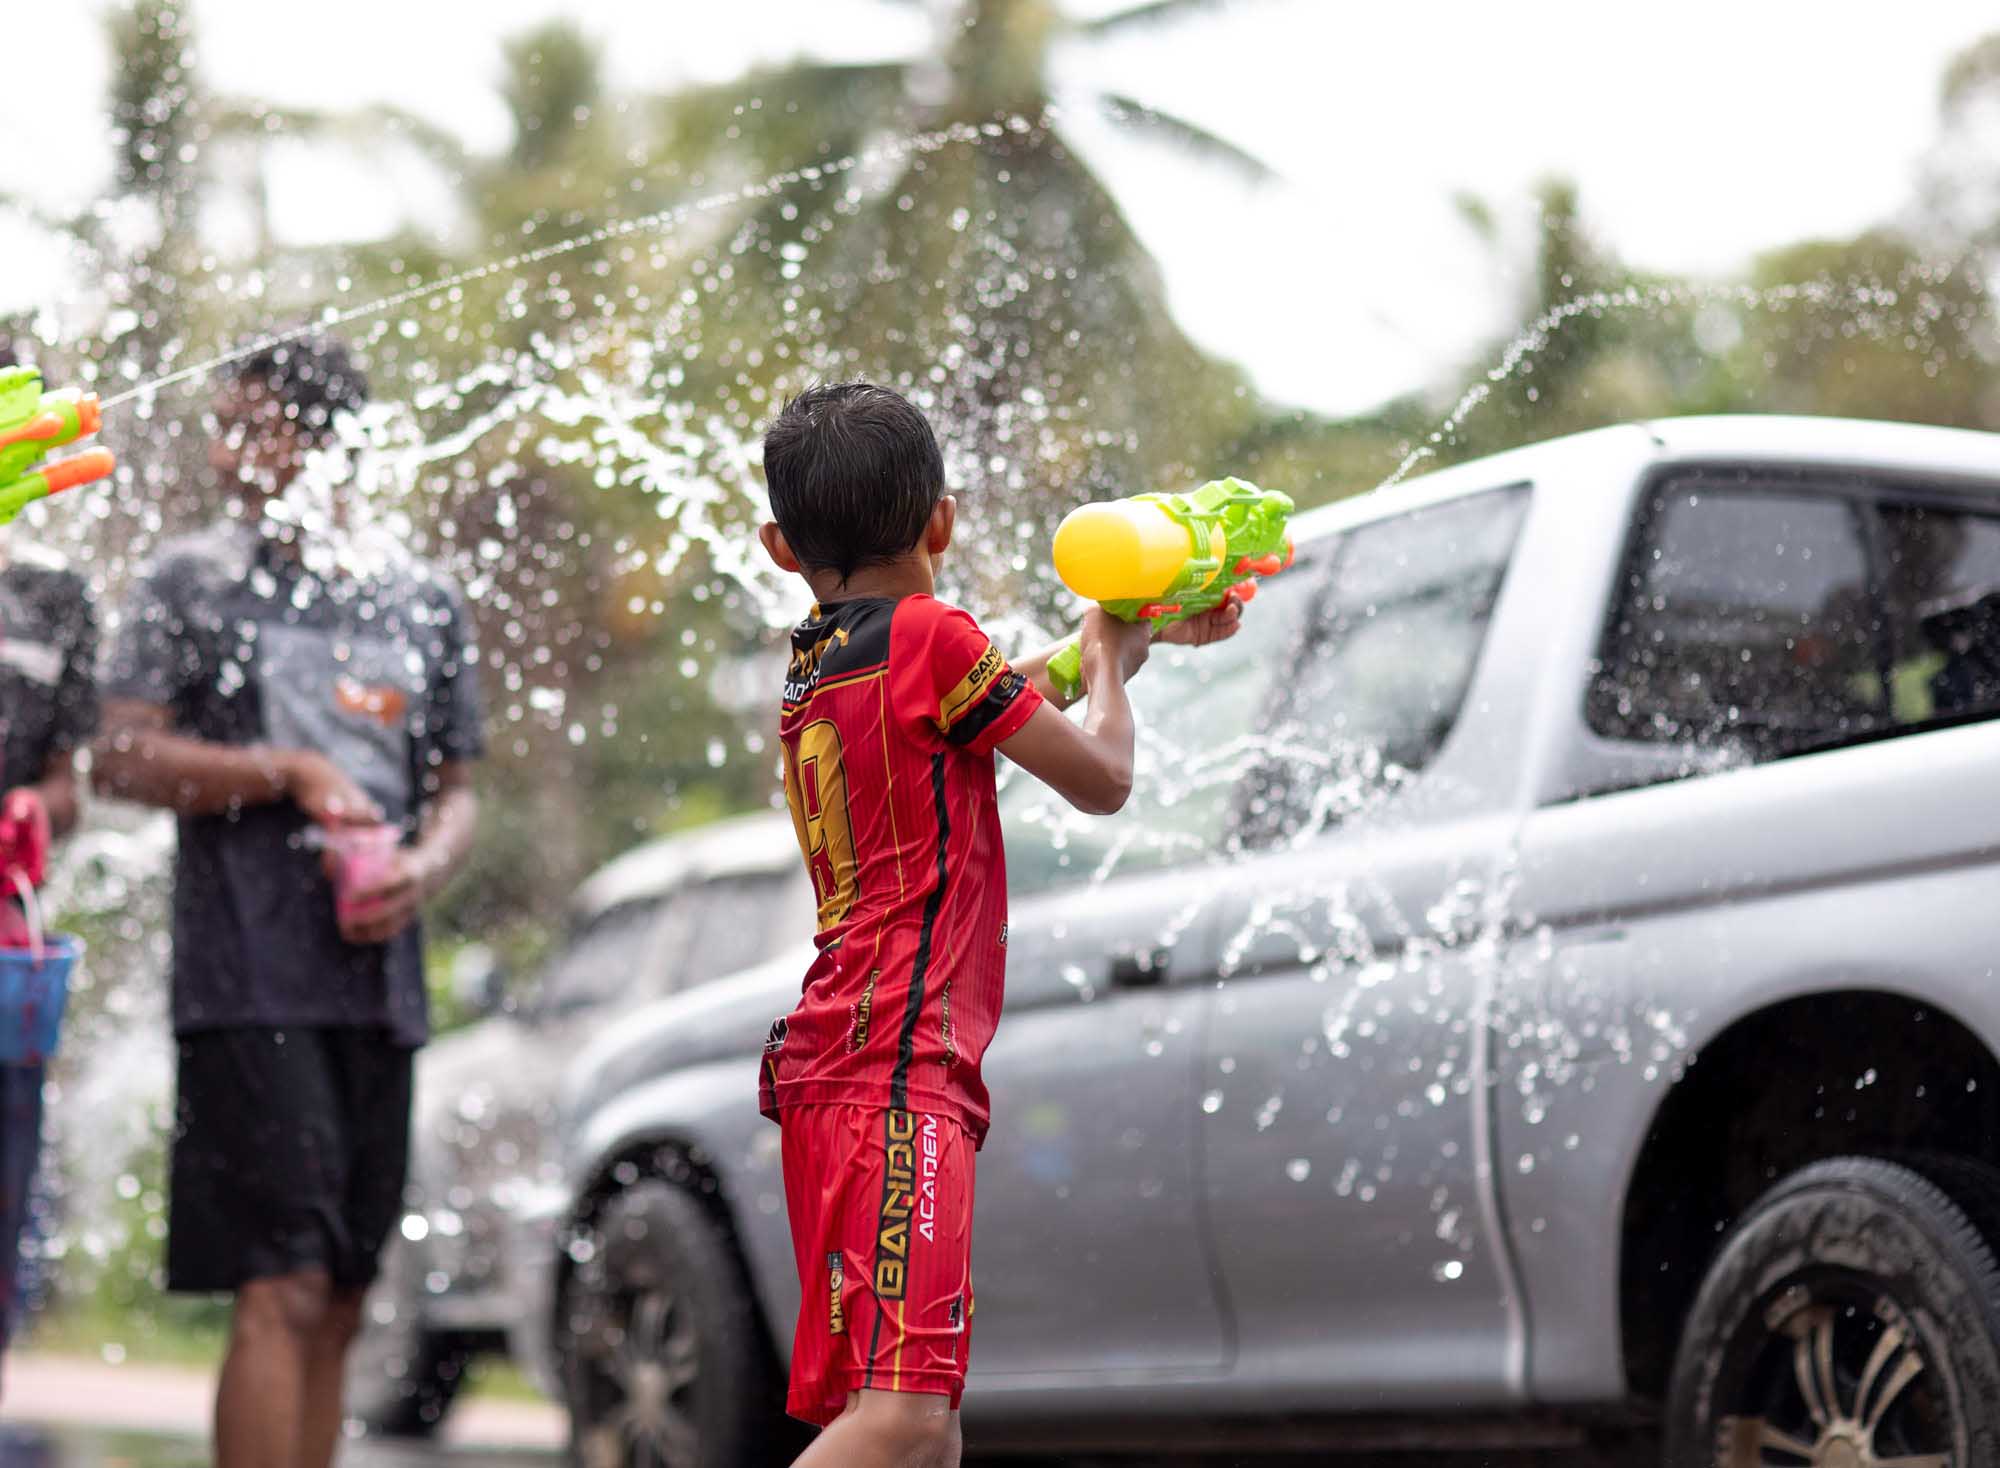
<point>1189,137</point>
<point>253,120</point>
<point>59,224</point>
<point>1971,71</point>
<point>785,116</point>
<point>1147,13</point>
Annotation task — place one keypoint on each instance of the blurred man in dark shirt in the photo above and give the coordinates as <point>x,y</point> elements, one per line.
<point>271,698</point>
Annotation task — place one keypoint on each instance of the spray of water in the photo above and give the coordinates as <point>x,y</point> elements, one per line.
<point>637,436</point>
<point>1869,302</point>
<point>659,222</point>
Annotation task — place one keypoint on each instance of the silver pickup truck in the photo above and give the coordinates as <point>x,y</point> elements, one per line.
<point>1543,984</point>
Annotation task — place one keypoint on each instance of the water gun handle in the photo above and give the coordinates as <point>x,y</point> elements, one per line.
<point>1065,670</point>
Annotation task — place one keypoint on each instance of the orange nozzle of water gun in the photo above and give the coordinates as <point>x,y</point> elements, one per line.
<point>33,430</point>
<point>90,414</point>
<point>84,468</point>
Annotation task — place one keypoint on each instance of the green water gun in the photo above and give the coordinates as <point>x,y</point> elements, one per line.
<point>33,422</point>
<point>1161,558</point>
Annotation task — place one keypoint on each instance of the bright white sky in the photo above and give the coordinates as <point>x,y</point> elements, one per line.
<point>1700,133</point>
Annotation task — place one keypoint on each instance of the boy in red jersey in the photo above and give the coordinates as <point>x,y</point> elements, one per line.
<point>893,708</point>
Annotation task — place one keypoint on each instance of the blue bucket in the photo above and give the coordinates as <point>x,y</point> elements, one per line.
<point>32,992</point>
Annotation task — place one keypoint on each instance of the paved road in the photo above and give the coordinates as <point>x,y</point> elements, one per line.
<point>81,1448</point>
<point>86,1414</point>
<point>147,1452</point>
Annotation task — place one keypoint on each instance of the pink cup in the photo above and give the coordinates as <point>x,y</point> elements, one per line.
<point>363,857</point>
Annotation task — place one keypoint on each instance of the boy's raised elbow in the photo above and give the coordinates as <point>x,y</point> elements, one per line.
<point>1108,792</point>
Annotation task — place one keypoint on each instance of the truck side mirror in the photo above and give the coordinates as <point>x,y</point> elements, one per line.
<point>478,980</point>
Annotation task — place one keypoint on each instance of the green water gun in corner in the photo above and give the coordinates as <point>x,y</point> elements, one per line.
<point>1161,558</point>
<point>33,423</point>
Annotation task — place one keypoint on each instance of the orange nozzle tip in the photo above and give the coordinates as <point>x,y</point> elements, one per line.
<point>42,425</point>
<point>79,469</point>
<point>89,414</point>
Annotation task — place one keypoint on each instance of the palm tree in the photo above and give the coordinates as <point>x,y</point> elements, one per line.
<point>998,278</point>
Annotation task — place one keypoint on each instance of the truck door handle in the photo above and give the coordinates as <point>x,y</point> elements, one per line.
<point>1138,970</point>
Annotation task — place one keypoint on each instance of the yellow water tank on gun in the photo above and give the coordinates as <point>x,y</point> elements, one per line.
<point>1125,550</point>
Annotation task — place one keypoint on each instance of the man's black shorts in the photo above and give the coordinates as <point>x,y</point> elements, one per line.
<point>290,1147</point>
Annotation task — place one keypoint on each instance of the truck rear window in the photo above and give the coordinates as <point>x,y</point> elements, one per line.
<point>1760,617</point>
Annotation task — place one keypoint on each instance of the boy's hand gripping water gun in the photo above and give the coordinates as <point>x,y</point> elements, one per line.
<point>32,423</point>
<point>1161,558</point>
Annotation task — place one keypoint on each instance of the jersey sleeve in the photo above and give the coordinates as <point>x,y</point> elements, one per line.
<point>947,681</point>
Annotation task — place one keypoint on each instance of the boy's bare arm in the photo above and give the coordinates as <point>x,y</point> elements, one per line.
<point>1214,626</point>
<point>139,758</point>
<point>1088,764</point>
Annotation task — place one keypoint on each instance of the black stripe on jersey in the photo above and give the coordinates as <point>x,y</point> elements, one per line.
<point>979,718</point>
<point>913,1008</point>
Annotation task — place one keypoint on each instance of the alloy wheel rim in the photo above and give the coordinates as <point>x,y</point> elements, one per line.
<point>1832,1374</point>
<point>643,1354</point>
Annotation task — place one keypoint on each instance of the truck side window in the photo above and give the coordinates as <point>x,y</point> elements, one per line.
<point>1386,667</point>
<point>1940,578</point>
<point>729,928</point>
<point>1759,621</point>
<point>1198,711</point>
<point>600,961</point>
<point>1744,627</point>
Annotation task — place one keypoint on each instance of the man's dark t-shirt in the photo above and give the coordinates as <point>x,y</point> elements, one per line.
<point>243,645</point>
<point>48,665</point>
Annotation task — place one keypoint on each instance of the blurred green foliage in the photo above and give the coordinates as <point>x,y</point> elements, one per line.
<point>999,281</point>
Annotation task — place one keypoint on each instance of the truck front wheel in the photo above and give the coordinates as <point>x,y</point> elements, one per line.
<point>1851,1320</point>
<point>664,1365</point>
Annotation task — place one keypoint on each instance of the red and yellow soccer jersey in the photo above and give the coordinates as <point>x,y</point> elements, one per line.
<point>891,714</point>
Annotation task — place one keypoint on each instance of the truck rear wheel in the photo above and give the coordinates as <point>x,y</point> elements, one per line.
<point>1851,1320</point>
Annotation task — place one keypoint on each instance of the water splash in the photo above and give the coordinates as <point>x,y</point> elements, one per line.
<point>659,222</point>
<point>1871,303</point>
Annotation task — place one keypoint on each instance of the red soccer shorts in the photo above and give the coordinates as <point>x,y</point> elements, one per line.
<point>881,1210</point>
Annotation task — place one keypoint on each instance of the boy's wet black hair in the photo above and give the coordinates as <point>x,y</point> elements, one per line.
<point>854,473</point>
<point>313,376</point>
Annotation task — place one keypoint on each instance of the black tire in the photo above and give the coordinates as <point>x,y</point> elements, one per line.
<point>664,1363</point>
<point>405,1391</point>
<point>1855,1302</point>
<point>402,1378</point>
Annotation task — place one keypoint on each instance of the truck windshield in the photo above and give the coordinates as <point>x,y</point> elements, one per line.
<point>1380,681</point>
<point>1347,676</point>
